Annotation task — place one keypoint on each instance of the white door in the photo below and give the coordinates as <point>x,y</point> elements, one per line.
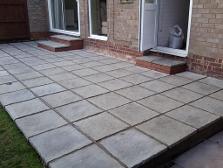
<point>148,24</point>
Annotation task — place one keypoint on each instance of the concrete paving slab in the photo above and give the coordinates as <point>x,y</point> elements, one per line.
<point>52,71</point>
<point>157,86</point>
<point>210,104</point>
<point>133,113</point>
<point>89,157</point>
<point>26,76</point>
<point>166,130</point>
<point>99,77</point>
<point>197,118</point>
<point>74,83</point>
<point>115,84</point>
<point>11,87</point>
<point>62,76</point>
<point>119,73</point>
<point>131,147</point>
<point>85,72</point>
<point>182,95</point>
<point>78,110</point>
<point>135,93</point>
<point>101,125</point>
<point>154,74</point>
<point>213,81</point>
<point>218,95</point>
<point>201,88</point>
<point>109,101</point>
<point>62,98</point>
<point>90,91</point>
<point>176,80</point>
<point>73,67</point>
<point>58,142</point>
<point>48,89</point>
<point>160,103</point>
<point>7,79</point>
<point>38,123</point>
<point>191,75</point>
<point>15,97</point>
<point>136,79</point>
<point>25,108</point>
<point>37,82</point>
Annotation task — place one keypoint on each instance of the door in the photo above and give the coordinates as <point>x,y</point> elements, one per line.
<point>13,20</point>
<point>148,24</point>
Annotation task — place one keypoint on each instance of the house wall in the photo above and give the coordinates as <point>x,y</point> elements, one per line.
<point>206,43</point>
<point>38,18</point>
<point>123,29</point>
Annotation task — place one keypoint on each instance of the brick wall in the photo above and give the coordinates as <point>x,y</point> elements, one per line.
<point>38,17</point>
<point>206,43</point>
<point>123,27</point>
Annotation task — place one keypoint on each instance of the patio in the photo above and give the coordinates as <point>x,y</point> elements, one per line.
<point>81,109</point>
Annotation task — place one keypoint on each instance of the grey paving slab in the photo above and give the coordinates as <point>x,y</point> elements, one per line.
<point>160,103</point>
<point>109,101</point>
<point>85,72</point>
<point>63,63</point>
<point>26,76</point>
<point>176,80</point>
<point>213,81</point>
<point>74,83</point>
<point>201,88</point>
<point>166,130</point>
<point>92,64</point>
<point>115,84</point>
<point>58,142</point>
<point>210,104</point>
<point>133,113</point>
<point>37,82</point>
<point>119,73</point>
<point>106,68</point>
<point>89,157</point>
<point>197,118</point>
<point>7,79</point>
<point>182,95</point>
<point>218,95</point>
<point>78,110</point>
<point>15,97</point>
<point>62,76</point>
<point>191,75</point>
<point>99,77</point>
<point>101,125</point>
<point>157,86</point>
<point>207,154</point>
<point>73,67</point>
<point>47,89</point>
<point>52,71</point>
<point>3,73</point>
<point>136,79</point>
<point>62,98</point>
<point>135,93</point>
<point>137,69</point>
<point>11,87</point>
<point>131,147</point>
<point>90,91</point>
<point>154,74</point>
<point>43,66</point>
<point>38,123</point>
<point>25,108</point>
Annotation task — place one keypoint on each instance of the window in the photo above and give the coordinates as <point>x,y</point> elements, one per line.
<point>98,18</point>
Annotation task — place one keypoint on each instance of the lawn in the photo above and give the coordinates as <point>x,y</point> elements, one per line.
<point>15,151</point>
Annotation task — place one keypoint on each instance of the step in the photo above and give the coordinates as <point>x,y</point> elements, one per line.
<point>53,46</point>
<point>162,64</point>
<point>77,43</point>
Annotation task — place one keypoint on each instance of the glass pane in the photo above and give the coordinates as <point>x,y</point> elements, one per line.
<point>99,17</point>
<point>71,15</point>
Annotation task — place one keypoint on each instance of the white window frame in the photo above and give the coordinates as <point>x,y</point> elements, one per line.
<point>74,33</point>
<point>93,36</point>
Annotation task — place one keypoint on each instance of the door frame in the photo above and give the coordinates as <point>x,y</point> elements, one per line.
<point>74,33</point>
<point>166,50</point>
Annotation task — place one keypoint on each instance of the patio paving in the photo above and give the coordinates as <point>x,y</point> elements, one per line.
<point>81,109</point>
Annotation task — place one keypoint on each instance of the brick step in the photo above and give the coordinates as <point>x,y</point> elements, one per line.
<point>68,40</point>
<point>162,64</point>
<point>58,43</point>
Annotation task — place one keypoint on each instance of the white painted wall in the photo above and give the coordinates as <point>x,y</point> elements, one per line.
<point>171,12</point>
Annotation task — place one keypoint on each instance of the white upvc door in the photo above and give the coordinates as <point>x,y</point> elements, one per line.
<point>149,13</point>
